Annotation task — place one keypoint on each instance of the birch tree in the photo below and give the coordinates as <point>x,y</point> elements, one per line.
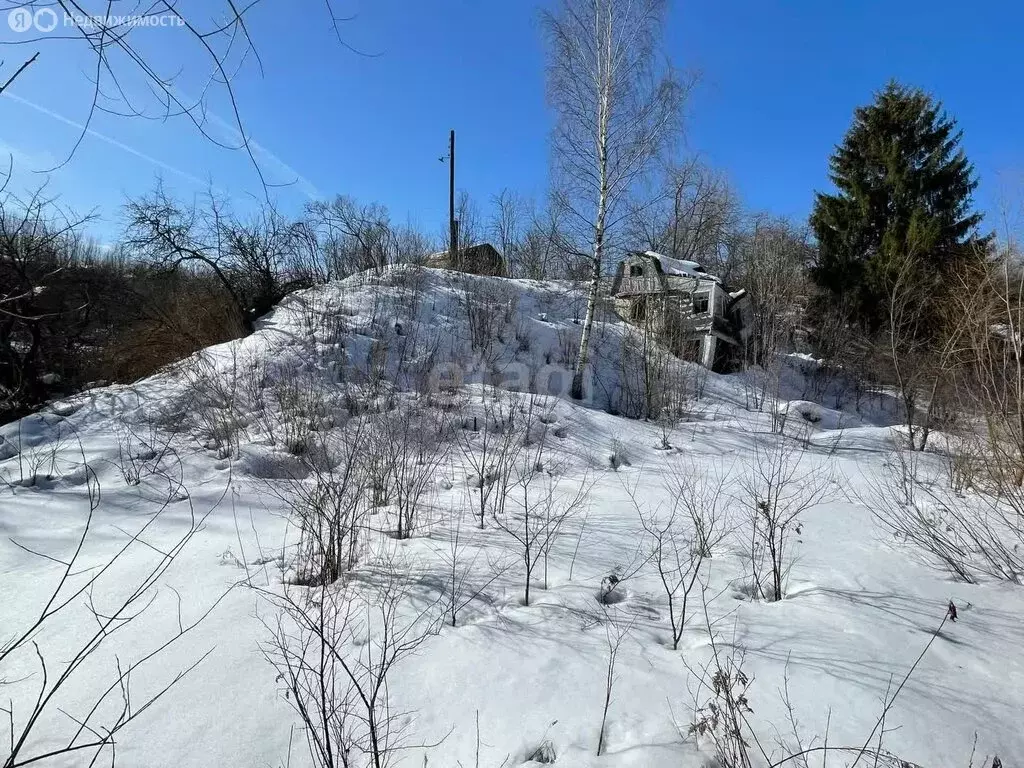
<point>616,109</point>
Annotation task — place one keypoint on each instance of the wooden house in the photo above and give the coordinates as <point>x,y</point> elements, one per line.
<point>694,313</point>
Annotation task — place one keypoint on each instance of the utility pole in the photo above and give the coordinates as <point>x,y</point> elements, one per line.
<point>453,224</point>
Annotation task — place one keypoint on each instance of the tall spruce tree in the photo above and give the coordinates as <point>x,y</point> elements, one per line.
<point>904,190</point>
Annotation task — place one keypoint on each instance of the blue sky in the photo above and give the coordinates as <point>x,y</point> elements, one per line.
<point>779,82</point>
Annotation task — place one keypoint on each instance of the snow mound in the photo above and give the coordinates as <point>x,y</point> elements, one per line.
<point>817,415</point>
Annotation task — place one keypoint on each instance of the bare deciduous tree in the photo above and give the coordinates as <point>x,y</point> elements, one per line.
<point>46,297</point>
<point>910,343</point>
<point>355,238</point>
<point>252,260</point>
<point>694,216</point>
<point>544,251</point>
<point>772,266</point>
<point>616,113</point>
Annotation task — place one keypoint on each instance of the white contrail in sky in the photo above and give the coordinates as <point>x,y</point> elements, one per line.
<point>258,150</point>
<point>103,137</point>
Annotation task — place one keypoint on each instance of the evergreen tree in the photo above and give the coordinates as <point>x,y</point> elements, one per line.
<point>904,191</point>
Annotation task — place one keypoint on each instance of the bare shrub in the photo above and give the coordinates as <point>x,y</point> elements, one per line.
<point>177,316</point>
<point>212,403</point>
<point>968,535</point>
<point>380,467</point>
<point>256,382</point>
<point>778,492</point>
<point>329,506</point>
<point>721,716</point>
<point>568,341</point>
<point>965,463</point>
<point>410,444</point>
<point>336,648</point>
<point>490,307</point>
<point>721,720</point>
<point>129,460</point>
<point>142,450</point>
<point>304,407</point>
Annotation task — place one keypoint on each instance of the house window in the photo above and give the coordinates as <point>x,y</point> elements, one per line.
<point>700,305</point>
<point>636,270</point>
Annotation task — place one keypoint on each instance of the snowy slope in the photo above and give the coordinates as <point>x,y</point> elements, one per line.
<point>858,611</point>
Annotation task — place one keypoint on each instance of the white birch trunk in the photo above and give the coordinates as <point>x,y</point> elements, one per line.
<point>603,83</point>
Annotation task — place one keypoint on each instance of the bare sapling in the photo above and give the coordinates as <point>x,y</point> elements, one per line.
<point>779,490</point>
<point>538,508</point>
<point>680,538</point>
<point>699,493</point>
<point>491,444</point>
<point>615,632</point>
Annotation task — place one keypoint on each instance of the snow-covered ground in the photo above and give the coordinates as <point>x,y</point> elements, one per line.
<point>510,678</point>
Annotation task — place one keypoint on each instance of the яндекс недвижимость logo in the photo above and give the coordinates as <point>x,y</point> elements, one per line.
<point>24,19</point>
